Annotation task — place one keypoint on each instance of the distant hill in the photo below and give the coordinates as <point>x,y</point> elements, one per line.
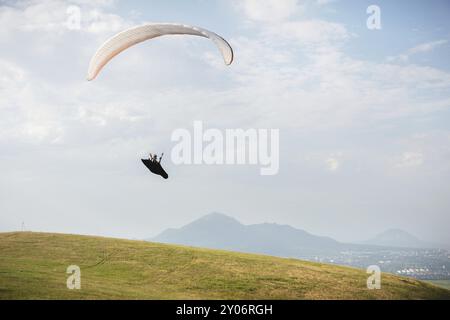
<point>33,266</point>
<point>219,231</point>
<point>398,238</point>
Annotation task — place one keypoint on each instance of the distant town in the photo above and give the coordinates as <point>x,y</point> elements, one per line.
<point>424,264</point>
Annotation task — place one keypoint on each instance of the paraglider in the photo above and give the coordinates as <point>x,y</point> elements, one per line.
<point>130,37</point>
<point>135,35</point>
<point>154,165</point>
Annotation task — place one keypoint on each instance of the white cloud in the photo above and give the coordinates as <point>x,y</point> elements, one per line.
<point>282,20</point>
<point>421,48</point>
<point>427,47</point>
<point>311,32</point>
<point>324,2</point>
<point>410,159</point>
<point>39,91</point>
<point>27,116</point>
<point>52,16</point>
<point>322,87</point>
<point>269,10</point>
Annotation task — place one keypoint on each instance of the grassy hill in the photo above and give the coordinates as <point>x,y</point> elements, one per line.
<point>33,266</point>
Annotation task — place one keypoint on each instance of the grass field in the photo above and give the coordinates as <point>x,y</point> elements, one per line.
<point>33,266</point>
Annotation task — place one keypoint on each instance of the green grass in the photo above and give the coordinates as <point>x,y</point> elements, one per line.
<point>33,266</point>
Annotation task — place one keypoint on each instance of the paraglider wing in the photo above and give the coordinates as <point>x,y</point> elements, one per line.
<point>155,167</point>
<point>135,35</point>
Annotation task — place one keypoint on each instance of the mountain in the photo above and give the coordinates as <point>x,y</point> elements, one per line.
<point>398,238</point>
<point>34,266</point>
<point>219,231</point>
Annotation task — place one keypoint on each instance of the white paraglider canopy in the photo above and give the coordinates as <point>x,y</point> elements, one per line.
<point>135,35</point>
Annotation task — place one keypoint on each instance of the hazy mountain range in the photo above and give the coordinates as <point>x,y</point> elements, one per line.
<point>220,231</point>
<point>398,238</point>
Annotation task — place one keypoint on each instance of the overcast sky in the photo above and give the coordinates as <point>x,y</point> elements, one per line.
<point>363,116</point>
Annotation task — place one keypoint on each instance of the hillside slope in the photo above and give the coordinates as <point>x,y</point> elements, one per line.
<point>33,266</point>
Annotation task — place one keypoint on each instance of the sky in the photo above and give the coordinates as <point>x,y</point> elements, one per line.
<point>363,116</point>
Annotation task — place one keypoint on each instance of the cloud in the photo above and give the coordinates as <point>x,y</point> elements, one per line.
<point>426,47</point>
<point>421,48</point>
<point>282,20</point>
<point>410,159</point>
<point>324,2</point>
<point>41,97</point>
<point>307,32</point>
<point>53,17</point>
<point>318,86</point>
<point>269,10</point>
<point>27,116</point>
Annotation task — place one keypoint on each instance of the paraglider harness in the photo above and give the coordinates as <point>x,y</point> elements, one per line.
<point>154,165</point>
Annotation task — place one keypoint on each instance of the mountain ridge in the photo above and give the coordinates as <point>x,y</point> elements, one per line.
<point>220,231</point>
<point>399,238</point>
